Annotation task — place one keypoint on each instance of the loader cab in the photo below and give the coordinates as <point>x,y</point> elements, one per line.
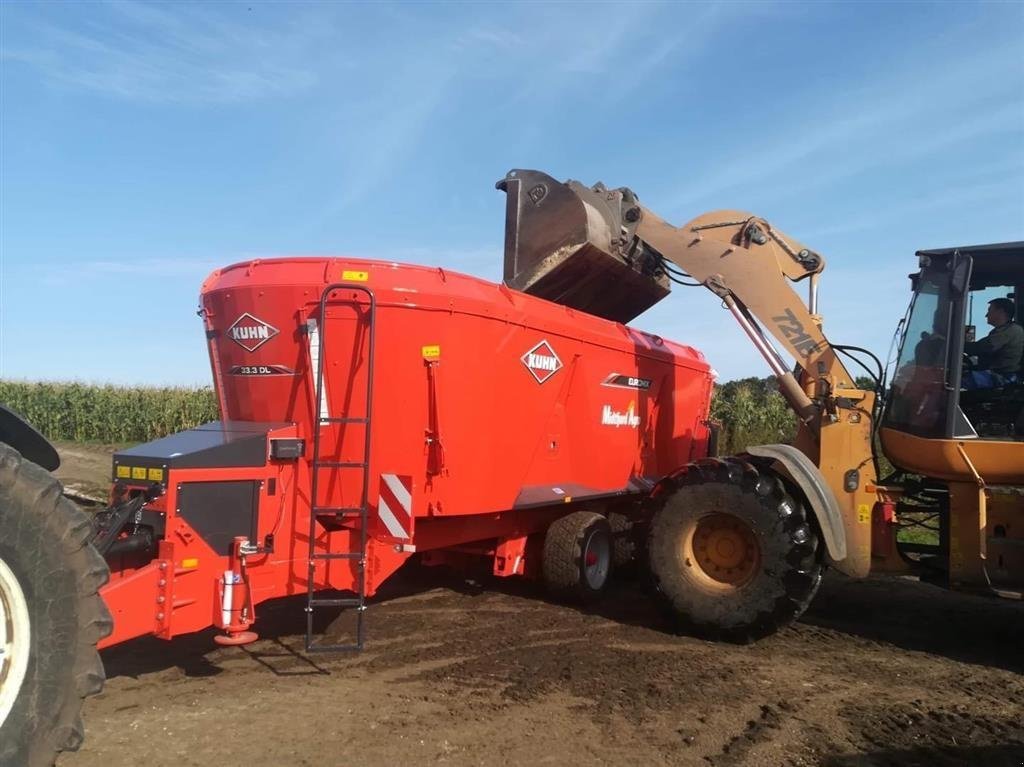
<point>928,398</point>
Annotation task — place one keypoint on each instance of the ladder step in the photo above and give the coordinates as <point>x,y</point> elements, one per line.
<point>345,555</point>
<point>334,648</point>
<point>339,465</point>
<point>364,419</point>
<point>337,511</point>
<point>340,602</point>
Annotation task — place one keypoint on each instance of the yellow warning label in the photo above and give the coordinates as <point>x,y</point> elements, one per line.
<point>124,472</point>
<point>138,472</point>
<point>863,513</point>
<point>155,475</point>
<point>189,564</point>
<point>431,352</point>
<point>351,276</point>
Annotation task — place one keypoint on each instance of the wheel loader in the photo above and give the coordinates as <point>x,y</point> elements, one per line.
<point>954,456</point>
<point>205,524</point>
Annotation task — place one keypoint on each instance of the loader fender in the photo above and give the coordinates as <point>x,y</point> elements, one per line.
<point>802,472</point>
<point>19,434</point>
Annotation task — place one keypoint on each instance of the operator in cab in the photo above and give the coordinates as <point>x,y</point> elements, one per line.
<point>999,353</point>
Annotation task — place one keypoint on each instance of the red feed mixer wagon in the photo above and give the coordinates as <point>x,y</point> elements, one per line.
<point>372,412</point>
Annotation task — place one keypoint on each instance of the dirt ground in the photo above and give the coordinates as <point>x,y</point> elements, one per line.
<point>880,672</point>
<point>85,471</point>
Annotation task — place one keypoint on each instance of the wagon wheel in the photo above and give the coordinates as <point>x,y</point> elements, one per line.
<point>51,615</point>
<point>732,554</point>
<point>578,556</point>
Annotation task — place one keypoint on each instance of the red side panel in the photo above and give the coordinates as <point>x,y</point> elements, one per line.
<point>485,398</point>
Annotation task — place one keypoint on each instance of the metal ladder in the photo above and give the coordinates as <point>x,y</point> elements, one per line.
<point>339,513</point>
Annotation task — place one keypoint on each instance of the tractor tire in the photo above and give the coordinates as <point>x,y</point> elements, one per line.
<point>49,581</point>
<point>732,554</point>
<point>578,556</point>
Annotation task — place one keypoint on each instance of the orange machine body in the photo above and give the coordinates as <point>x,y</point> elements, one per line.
<point>466,415</point>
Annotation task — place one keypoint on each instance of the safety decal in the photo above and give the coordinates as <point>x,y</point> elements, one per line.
<point>542,362</point>
<point>251,332</point>
<point>394,505</point>
<point>620,381</point>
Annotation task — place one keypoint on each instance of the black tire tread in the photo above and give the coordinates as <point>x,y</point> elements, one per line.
<point>803,566</point>
<point>624,545</point>
<point>56,519</point>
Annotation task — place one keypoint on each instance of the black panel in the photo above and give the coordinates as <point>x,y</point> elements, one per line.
<point>212,445</point>
<point>548,495</point>
<point>219,511</point>
<point>287,449</point>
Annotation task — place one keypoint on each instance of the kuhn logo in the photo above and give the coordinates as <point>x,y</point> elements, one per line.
<point>617,418</point>
<point>251,332</point>
<point>542,362</point>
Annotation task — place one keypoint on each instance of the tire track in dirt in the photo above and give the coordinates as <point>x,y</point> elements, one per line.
<point>458,675</point>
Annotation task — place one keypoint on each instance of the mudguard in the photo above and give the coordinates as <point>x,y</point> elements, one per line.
<point>819,495</point>
<point>33,446</point>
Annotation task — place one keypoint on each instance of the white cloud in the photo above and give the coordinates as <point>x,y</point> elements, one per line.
<point>898,116</point>
<point>142,52</point>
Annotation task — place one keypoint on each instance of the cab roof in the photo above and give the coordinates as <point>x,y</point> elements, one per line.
<point>1000,263</point>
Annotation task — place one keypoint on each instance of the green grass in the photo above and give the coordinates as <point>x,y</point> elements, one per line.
<point>917,534</point>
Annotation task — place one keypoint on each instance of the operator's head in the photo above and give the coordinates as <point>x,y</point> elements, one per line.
<point>1000,311</point>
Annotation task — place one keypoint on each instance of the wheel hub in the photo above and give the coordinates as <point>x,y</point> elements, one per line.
<point>725,549</point>
<point>597,560</point>
<point>15,639</point>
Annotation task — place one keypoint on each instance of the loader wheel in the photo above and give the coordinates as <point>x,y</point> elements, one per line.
<point>578,556</point>
<point>50,615</point>
<point>732,554</point>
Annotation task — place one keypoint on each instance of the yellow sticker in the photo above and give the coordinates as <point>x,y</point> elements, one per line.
<point>124,472</point>
<point>350,276</point>
<point>189,564</point>
<point>138,472</point>
<point>431,352</point>
<point>863,514</point>
<point>156,475</point>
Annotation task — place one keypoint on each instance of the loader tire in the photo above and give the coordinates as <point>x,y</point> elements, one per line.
<point>49,581</point>
<point>577,556</point>
<point>733,555</point>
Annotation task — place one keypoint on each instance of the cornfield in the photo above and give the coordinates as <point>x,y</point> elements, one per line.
<point>109,414</point>
<point>751,411</point>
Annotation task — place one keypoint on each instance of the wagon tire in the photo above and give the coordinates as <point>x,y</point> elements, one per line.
<point>733,555</point>
<point>50,577</point>
<point>625,549</point>
<point>577,556</point>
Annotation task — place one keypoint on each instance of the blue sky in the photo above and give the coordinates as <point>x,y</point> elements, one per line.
<point>142,145</point>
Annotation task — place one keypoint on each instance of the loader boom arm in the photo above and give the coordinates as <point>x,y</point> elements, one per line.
<point>748,264</point>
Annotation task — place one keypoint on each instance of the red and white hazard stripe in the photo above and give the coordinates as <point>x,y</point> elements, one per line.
<point>394,505</point>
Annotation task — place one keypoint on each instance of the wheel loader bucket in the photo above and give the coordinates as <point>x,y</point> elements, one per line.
<point>577,246</point>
